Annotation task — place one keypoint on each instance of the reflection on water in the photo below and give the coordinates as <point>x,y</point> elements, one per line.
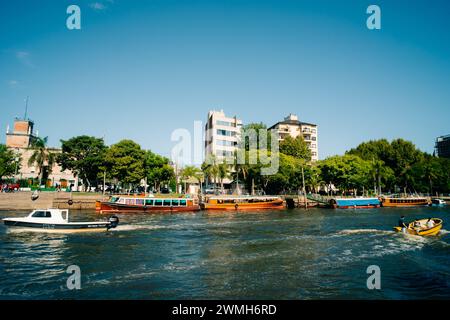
<point>296,254</point>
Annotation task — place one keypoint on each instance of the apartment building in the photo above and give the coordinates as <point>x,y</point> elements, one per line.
<point>222,134</point>
<point>442,146</point>
<point>291,126</point>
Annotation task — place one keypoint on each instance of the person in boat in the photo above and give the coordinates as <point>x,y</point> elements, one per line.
<point>401,223</point>
<point>430,223</point>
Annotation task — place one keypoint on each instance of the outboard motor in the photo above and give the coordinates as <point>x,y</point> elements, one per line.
<point>113,222</point>
<point>34,195</point>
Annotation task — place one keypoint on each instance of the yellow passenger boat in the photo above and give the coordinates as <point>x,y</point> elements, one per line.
<point>421,228</point>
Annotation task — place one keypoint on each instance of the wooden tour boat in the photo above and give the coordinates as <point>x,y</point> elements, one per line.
<point>139,204</point>
<point>404,201</point>
<point>242,203</point>
<point>421,228</point>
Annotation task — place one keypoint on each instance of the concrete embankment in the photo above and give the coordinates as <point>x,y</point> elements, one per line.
<point>22,201</point>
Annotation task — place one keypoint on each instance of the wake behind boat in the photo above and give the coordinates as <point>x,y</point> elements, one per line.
<point>58,220</point>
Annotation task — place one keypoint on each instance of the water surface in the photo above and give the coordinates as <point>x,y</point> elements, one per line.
<point>291,254</point>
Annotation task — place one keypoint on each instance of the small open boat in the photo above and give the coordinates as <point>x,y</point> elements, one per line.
<point>58,220</point>
<point>420,227</point>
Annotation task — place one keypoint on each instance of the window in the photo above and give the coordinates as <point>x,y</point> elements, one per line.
<point>158,202</point>
<point>140,202</point>
<point>313,138</point>
<point>225,123</point>
<point>167,203</point>
<point>182,202</point>
<point>224,153</point>
<point>226,143</point>
<point>42,214</point>
<point>175,202</point>
<point>226,133</point>
<point>149,202</point>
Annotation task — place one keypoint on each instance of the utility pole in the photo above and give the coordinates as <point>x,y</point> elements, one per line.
<point>304,189</point>
<point>104,182</point>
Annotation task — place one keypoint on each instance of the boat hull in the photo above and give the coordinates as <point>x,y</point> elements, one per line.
<point>60,226</point>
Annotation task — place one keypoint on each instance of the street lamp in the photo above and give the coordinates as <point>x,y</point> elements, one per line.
<point>17,167</point>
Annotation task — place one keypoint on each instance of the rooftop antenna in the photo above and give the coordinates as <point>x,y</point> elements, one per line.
<point>26,109</point>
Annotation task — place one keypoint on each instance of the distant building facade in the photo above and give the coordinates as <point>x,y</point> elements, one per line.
<point>222,135</point>
<point>442,146</point>
<point>291,126</point>
<point>20,139</point>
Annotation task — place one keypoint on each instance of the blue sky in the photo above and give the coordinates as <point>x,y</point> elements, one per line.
<point>140,69</point>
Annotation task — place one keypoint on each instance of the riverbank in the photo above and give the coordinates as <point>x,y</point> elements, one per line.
<point>86,201</point>
<point>22,200</point>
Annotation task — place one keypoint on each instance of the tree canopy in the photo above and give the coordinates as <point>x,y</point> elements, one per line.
<point>125,162</point>
<point>7,162</point>
<point>157,169</point>
<point>84,156</point>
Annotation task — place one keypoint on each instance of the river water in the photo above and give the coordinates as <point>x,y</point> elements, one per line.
<point>288,254</point>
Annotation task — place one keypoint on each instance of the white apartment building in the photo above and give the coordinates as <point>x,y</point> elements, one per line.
<point>293,127</point>
<point>222,134</point>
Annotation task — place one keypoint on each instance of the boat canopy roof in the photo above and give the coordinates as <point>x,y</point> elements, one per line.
<point>243,197</point>
<point>50,215</point>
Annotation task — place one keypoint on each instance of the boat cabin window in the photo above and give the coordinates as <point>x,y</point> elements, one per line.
<point>149,202</point>
<point>42,214</point>
<point>140,202</point>
<point>175,202</point>
<point>158,202</point>
<point>182,202</point>
<point>167,203</point>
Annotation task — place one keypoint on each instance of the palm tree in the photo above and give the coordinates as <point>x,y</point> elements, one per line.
<point>222,173</point>
<point>42,157</point>
<point>191,171</point>
<point>210,169</point>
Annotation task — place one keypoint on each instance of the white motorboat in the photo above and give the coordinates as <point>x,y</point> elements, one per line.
<point>58,220</point>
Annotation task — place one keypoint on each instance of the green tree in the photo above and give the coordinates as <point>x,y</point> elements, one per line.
<point>158,170</point>
<point>42,157</point>
<point>191,172</point>
<point>295,147</point>
<point>7,162</point>
<point>84,156</point>
<point>125,162</point>
<point>210,169</point>
<point>347,172</point>
<point>255,130</point>
<point>223,172</point>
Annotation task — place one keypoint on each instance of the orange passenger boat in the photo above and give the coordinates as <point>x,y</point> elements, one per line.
<point>242,203</point>
<point>404,201</point>
<point>139,204</point>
